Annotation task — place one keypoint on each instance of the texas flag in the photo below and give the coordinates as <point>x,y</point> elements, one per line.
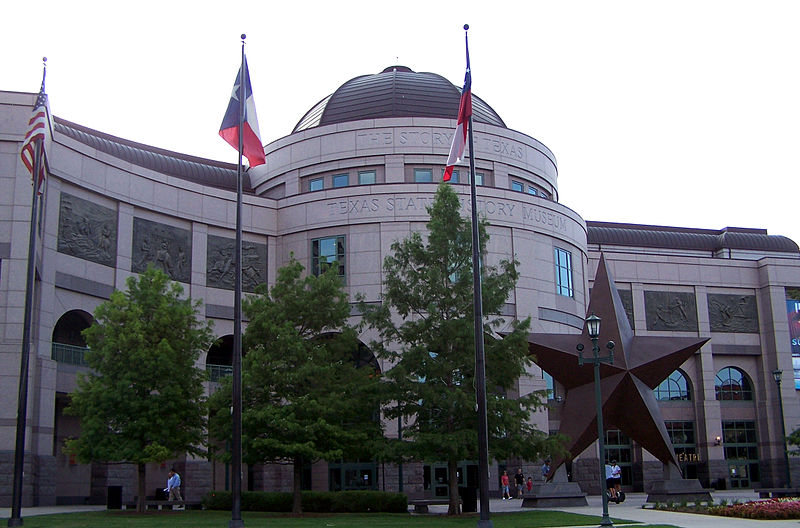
<point>460,136</point>
<point>229,130</point>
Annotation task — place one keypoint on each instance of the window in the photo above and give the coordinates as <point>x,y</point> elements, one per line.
<point>681,434</point>
<point>326,251</point>
<point>548,379</point>
<point>366,177</point>
<point>741,452</point>
<point>478,178</point>
<point>317,184</point>
<point>563,272</point>
<point>454,178</point>
<point>732,384</point>
<point>341,180</point>
<point>517,186</point>
<point>675,387</point>
<point>423,175</point>
<point>532,190</point>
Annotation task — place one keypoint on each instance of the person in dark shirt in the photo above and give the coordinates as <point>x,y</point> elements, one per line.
<point>519,480</point>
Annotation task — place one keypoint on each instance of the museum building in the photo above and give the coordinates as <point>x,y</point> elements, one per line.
<point>354,175</point>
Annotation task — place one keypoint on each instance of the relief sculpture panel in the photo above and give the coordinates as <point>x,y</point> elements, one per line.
<point>87,230</point>
<point>166,247</point>
<point>732,313</point>
<point>675,311</point>
<point>220,268</point>
<point>626,296</point>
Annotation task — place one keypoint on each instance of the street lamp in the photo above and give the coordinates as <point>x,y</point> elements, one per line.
<point>777,375</point>
<point>593,327</point>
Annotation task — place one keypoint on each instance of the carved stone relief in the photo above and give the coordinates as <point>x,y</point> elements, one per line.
<point>166,247</point>
<point>626,296</point>
<point>732,313</point>
<point>87,230</point>
<point>676,311</point>
<point>220,268</point>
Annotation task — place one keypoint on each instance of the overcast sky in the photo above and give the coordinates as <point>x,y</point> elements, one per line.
<point>680,113</point>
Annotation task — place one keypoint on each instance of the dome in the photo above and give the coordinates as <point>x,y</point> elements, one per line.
<point>397,91</point>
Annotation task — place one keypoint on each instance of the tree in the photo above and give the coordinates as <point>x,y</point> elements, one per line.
<point>303,397</point>
<point>143,399</point>
<point>426,329</point>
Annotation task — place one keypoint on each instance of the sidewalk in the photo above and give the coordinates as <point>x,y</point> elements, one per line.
<point>632,510</point>
<point>5,513</point>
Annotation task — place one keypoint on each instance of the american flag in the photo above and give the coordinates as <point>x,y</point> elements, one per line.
<point>38,129</point>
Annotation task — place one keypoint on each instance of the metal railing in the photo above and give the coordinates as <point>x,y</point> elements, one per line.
<point>217,372</point>
<point>70,354</point>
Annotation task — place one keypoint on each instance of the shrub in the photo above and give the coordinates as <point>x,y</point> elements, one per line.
<point>313,501</point>
<point>767,509</point>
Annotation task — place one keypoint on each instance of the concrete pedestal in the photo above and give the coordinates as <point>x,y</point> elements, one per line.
<point>678,490</point>
<point>555,494</point>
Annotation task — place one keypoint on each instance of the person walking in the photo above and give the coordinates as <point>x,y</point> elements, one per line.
<point>174,486</point>
<point>519,481</point>
<point>504,486</point>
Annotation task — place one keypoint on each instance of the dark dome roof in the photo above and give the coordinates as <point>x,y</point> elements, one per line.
<point>204,171</point>
<point>397,91</point>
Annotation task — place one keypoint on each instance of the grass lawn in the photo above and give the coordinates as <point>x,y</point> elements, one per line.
<point>219,519</point>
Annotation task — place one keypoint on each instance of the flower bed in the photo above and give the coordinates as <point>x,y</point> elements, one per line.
<point>768,509</point>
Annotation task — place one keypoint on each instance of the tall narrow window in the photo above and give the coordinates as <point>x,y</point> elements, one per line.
<point>325,252</point>
<point>563,272</point>
<point>366,177</point>
<point>341,180</point>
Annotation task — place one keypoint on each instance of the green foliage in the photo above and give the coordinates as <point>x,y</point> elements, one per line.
<point>426,329</point>
<point>313,501</point>
<point>793,293</point>
<point>303,398</point>
<point>143,399</point>
<point>794,440</point>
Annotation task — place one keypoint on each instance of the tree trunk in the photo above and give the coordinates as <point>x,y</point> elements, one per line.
<point>454,508</point>
<point>140,502</point>
<point>297,497</point>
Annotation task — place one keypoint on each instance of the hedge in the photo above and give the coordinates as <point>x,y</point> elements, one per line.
<point>312,501</point>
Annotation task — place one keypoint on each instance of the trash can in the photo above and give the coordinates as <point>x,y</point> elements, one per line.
<point>114,498</point>
<point>469,499</point>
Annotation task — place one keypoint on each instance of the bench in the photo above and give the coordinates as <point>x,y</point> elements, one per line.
<point>164,504</point>
<point>421,505</point>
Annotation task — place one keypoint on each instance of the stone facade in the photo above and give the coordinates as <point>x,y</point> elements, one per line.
<point>105,217</point>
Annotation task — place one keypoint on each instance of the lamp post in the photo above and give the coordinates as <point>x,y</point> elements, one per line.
<point>777,375</point>
<point>593,327</point>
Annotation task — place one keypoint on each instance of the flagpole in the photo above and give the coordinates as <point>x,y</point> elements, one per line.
<point>236,462</point>
<point>480,358</point>
<point>22,396</point>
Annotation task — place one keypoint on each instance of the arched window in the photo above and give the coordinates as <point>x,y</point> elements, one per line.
<point>674,388</point>
<point>68,344</point>
<point>732,384</point>
<point>219,359</point>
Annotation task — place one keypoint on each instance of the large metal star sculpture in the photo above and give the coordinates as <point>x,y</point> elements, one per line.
<point>641,363</point>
